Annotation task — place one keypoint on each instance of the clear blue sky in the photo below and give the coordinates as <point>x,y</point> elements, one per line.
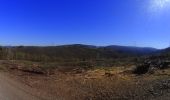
<point>96,22</point>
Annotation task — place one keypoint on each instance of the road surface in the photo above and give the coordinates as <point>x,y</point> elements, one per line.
<point>13,90</point>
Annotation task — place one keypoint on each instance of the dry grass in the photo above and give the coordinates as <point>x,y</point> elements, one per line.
<point>112,83</point>
<point>90,85</point>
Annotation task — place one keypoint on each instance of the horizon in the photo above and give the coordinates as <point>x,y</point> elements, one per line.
<point>96,22</point>
<point>53,45</point>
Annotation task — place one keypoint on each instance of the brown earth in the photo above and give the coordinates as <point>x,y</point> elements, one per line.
<point>116,83</point>
<point>10,89</point>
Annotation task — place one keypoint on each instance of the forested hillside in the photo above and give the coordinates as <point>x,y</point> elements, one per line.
<point>71,52</point>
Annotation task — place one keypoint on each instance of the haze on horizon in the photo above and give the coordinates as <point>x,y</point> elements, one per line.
<point>143,23</point>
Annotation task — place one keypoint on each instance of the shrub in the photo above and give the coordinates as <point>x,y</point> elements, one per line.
<point>141,69</point>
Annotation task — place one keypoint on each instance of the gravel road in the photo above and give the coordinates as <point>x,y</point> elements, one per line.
<point>12,90</point>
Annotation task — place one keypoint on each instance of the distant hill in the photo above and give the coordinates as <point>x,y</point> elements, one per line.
<point>131,50</point>
<point>77,52</point>
<point>165,52</point>
<point>166,49</point>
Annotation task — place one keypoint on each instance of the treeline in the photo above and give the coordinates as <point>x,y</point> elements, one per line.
<point>67,53</point>
<point>58,53</point>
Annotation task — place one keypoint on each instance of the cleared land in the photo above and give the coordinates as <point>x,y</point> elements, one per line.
<point>114,83</point>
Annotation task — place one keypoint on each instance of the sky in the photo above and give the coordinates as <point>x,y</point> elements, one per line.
<point>144,23</point>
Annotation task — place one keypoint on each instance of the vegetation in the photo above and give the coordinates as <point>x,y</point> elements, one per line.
<point>71,52</point>
<point>141,69</point>
<point>83,72</point>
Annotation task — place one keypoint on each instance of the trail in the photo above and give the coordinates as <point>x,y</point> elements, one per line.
<point>12,90</point>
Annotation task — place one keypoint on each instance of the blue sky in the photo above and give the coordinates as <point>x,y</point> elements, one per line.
<point>97,22</point>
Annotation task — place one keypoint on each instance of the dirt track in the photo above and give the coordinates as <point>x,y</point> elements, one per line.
<point>12,90</point>
<point>149,87</point>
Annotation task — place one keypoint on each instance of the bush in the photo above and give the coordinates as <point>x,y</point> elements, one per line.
<point>141,69</point>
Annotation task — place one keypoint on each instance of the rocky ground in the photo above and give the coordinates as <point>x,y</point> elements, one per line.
<point>117,83</point>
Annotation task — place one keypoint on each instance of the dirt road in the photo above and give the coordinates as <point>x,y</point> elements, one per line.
<point>12,90</point>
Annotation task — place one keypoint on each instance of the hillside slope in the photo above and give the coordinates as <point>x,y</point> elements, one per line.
<point>72,52</point>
